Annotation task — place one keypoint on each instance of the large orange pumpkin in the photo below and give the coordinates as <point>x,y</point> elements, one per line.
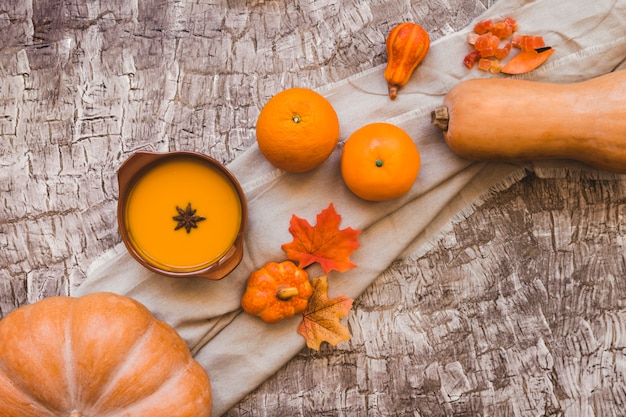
<point>101,355</point>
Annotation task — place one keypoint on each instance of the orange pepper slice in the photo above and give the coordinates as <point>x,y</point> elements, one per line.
<point>527,61</point>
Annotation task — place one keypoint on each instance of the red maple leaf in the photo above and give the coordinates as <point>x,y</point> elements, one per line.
<point>320,321</point>
<point>324,243</point>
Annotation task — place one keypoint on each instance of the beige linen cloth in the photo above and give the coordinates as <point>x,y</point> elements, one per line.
<point>239,351</point>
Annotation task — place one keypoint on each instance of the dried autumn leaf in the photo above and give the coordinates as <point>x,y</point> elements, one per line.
<point>320,322</point>
<point>324,243</point>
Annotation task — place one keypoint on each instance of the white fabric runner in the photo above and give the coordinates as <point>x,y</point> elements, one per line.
<point>239,351</point>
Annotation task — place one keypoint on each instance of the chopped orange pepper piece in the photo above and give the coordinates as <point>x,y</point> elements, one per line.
<point>488,51</point>
<point>527,61</point>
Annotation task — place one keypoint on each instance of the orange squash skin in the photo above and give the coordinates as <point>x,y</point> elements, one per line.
<point>505,119</point>
<point>98,355</point>
<point>407,45</point>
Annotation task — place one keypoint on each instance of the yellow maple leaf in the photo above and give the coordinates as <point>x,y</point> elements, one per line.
<point>320,322</point>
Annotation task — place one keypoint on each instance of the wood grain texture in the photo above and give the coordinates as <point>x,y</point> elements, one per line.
<point>518,311</point>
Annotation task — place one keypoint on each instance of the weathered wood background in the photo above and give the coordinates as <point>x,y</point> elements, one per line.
<point>518,311</point>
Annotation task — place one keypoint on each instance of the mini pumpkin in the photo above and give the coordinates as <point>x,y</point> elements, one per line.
<point>97,355</point>
<point>277,291</point>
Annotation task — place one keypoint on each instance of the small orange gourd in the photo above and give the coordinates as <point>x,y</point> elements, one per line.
<point>277,291</point>
<point>508,119</point>
<point>407,46</point>
<point>97,355</point>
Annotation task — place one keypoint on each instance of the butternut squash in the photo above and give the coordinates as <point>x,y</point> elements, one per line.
<point>509,119</point>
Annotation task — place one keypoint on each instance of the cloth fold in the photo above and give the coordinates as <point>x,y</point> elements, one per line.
<point>239,351</point>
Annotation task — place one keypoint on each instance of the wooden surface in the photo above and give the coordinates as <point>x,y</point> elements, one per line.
<point>518,311</point>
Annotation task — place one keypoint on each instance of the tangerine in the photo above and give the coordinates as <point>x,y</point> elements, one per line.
<point>379,162</point>
<point>297,129</point>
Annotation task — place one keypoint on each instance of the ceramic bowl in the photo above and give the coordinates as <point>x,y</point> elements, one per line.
<point>181,214</point>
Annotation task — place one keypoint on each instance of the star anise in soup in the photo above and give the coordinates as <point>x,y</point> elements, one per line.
<point>187,218</point>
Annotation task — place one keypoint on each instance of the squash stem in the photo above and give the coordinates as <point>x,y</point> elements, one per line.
<point>284,293</point>
<point>393,91</point>
<point>440,117</point>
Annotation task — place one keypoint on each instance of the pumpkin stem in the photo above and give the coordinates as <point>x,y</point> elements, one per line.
<point>75,414</point>
<point>440,117</point>
<point>284,292</point>
<point>393,91</point>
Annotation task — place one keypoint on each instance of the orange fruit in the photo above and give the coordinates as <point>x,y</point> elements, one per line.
<point>379,162</point>
<point>297,130</point>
